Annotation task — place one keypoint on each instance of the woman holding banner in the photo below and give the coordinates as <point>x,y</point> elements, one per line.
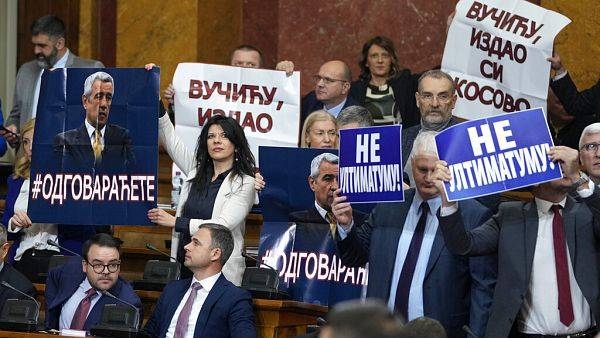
<point>30,252</point>
<point>219,187</point>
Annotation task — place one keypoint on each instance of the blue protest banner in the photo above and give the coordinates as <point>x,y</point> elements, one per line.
<point>371,164</point>
<point>496,154</point>
<point>296,239</point>
<point>95,149</point>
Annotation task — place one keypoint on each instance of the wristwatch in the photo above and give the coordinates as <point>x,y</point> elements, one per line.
<point>583,178</point>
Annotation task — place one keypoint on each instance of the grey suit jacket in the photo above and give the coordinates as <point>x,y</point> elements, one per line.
<point>25,87</point>
<point>512,233</point>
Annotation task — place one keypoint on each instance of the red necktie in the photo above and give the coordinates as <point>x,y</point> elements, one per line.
<point>565,304</point>
<point>184,315</point>
<point>82,310</point>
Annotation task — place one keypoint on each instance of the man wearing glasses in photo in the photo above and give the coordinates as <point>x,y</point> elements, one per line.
<point>74,291</point>
<point>332,85</point>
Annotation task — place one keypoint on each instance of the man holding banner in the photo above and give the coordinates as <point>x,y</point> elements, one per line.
<point>409,266</point>
<point>548,277</point>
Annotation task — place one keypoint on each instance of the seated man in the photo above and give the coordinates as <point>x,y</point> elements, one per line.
<point>11,276</point>
<point>207,304</point>
<point>74,297</point>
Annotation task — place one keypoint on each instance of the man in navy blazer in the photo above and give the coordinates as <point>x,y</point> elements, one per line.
<point>114,153</point>
<point>68,285</point>
<point>207,304</point>
<point>454,290</point>
<point>332,85</point>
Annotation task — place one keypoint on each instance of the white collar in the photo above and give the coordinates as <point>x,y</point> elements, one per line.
<point>91,129</point>
<point>208,282</point>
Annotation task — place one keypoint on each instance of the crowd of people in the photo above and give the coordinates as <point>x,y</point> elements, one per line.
<point>478,267</point>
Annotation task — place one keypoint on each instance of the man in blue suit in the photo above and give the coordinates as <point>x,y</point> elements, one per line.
<point>410,267</point>
<point>207,304</point>
<point>74,297</point>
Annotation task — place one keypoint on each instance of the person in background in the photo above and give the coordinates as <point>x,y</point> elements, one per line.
<point>354,117</point>
<point>385,89</point>
<point>319,131</point>
<point>219,187</point>
<point>3,146</point>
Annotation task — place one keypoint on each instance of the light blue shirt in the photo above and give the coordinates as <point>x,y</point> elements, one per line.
<point>335,111</point>
<point>70,306</point>
<point>415,299</point>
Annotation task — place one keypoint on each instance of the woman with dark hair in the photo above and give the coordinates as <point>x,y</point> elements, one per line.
<point>387,91</point>
<point>219,187</point>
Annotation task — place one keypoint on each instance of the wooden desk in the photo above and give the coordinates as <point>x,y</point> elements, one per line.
<point>11,334</point>
<point>274,318</point>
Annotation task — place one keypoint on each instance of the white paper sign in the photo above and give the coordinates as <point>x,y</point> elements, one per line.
<point>266,103</point>
<point>496,51</point>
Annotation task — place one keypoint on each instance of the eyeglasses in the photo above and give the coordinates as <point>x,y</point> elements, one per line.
<point>327,80</point>
<point>591,147</point>
<point>442,98</point>
<point>99,268</point>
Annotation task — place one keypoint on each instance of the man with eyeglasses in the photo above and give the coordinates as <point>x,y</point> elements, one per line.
<point>74,291</point>
<point>436,98</point>
<point>589,151</point>
<point>332,85</point>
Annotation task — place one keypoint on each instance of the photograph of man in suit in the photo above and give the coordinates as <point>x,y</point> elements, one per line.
<point>323,181</point>
<point>410,267</point>
<point>96,143</point>
<point>206,305</point>
<point>74,298</point>
<point>548,268</point>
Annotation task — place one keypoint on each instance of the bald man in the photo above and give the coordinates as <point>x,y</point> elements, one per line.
<point>332,84</point>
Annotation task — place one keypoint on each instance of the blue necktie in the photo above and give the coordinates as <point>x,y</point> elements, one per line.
<point>410,262</point>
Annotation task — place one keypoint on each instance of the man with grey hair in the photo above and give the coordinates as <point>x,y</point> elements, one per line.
<point>589,155</point>
<point>354,117</point>
<point>49,39</point>
<point>410,267</point>
<point>323,181</point>
<point>96,143</point>
<point>11,276</point>
<point>206,305</point>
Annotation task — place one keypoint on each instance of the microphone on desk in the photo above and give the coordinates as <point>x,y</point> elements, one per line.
<point>155,249</point>
<point>468,330</point>
<point>19,314</point>
<point>53,243</point>
<point>117,321</point>
<point>261,282</point>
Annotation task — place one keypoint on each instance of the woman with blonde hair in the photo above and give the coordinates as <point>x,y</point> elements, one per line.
<point>320,130</point>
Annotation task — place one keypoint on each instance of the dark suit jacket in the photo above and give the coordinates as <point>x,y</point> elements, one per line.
<point>404,86</point>
<point>117,155</point>
<point>576,103</point>
<point>18,280</point>
<point>64,280</point>
<point>310,104</point>
<point>312,216</point>
<point>227,311</point>
<point>456,291</point>
<point>512,233</point>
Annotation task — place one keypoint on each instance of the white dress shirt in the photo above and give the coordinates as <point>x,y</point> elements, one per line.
<point>91,130</point>
<point>539,313</point>
<point>207,285</point>
<point>61,63</point>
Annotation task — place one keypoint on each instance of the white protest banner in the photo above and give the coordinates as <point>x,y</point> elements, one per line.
<point>266,103</point>
<point>496,51</point>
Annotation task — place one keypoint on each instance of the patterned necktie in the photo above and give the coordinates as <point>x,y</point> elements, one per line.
<point>565,304</point>
<point>410,263</point>
<point>332,223</point>
<point>82,310</point>
<point>184,315</point>
<point>97,145</point>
